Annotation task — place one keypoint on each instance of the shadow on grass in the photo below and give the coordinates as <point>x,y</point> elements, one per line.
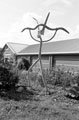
<point>25,94</point>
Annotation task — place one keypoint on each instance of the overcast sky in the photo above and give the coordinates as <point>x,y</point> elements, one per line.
<point>17,14</point>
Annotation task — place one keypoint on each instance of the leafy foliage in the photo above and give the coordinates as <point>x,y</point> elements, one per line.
<point>23,64</point>
<point>7,77</point>
<point>58,77</point>
<point>55,77</point>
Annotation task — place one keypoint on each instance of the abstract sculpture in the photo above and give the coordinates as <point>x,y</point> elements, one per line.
<point>39,36</point>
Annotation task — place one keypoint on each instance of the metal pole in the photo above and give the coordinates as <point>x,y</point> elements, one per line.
<point>41,68</point>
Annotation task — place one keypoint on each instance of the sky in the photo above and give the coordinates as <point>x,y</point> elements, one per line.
<point>18,14</point>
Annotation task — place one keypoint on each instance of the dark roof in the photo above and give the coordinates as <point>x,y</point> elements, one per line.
<point>56,47</point>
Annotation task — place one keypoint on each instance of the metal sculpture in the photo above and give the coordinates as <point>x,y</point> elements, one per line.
<point>39,36</point>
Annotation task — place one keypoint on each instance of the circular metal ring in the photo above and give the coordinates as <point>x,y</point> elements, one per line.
<point>42,40</point>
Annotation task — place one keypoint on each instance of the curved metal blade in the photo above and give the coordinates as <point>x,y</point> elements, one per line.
<point>43,29</point>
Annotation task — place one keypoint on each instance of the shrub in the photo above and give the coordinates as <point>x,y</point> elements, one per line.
<point>7,77</point>
<point>76,79</point>
<point>52,77</point>
<point>35,79</point>
<point>55,77</point>
<point>58,77</point>
<point>23,77</point>
<point>23,64</point>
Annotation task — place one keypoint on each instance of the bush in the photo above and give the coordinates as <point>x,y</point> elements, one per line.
<point>76,79</point>
<point>7,78</point>
<point>55,77</point>
<point>52,77</point>
<point>23,77</point>
<point>23,64</point>
<point>58,77</point>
